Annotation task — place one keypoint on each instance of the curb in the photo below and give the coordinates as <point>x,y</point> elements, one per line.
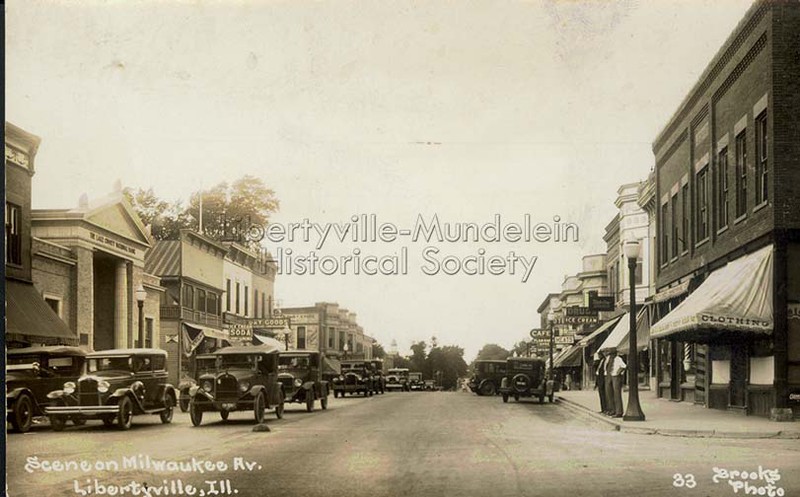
<point>670,432</point>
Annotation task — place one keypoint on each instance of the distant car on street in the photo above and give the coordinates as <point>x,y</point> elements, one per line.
<point>356,378</point>
<point>397,379</point>
<point>487,377</point>
<point>244,378</point>
<point>378,378</point>
<point>300,375</point>
<point>415,381</point>
<point>118,384</point>
<point>525,377</point>
<point>34,372</point>
<point>430,385</point>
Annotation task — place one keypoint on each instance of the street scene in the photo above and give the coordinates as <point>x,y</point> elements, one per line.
<point>535,248</point>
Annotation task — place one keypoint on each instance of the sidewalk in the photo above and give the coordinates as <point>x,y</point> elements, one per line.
<point>680,419</point>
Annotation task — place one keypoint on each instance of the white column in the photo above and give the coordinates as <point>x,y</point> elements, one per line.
<point>121,306</point>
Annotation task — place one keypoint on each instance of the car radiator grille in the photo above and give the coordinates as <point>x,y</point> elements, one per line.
<point>227,388</point>
<point>351,379</point>
<point>287,383</point>
<point>87,393</point>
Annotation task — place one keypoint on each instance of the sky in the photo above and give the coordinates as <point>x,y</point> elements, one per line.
<point>462,110</point>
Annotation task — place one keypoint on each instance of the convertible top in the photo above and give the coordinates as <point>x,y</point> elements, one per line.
<point>51,349</point>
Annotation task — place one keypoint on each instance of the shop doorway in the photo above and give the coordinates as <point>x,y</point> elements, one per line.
<point>738,388</point>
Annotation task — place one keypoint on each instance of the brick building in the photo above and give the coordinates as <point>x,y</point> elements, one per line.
<point>727,188</point>
<point>30,319</point>
<point>326,327</point>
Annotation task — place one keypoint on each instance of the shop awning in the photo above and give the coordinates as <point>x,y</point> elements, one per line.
<point>596,333</point>
<point>331,365</point>
<point>570,357</point>
<point>733,299</point>
<point>29,319</point>
<point>265,340</point>
<point>618,339</point>
<point>193,335</point>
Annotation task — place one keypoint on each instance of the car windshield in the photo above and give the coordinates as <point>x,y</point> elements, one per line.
<point>206,364</point>
<point>123,363</point>
<point>285,362</point>
<point>245,361</point>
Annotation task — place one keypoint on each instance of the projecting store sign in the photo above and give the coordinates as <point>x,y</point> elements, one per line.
<point>597,303</point>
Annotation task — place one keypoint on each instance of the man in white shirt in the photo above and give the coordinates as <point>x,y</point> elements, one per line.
<point>615,367</point>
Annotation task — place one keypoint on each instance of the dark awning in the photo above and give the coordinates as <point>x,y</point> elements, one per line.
<point>736,298</point>
<point>331,365</point>
<point>570,357</point>
<point>29,319</point>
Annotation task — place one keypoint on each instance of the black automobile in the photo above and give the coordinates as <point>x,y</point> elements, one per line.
<point>525,377</point>
<point>32,373</point>
<point>378,378</point>
<point>202,364</point>
<point>300,375</point>
<point>487,377</point>
<point>356,378</point>
<point>415,381</point>
<point>244,378</point>
<point>118,384</point>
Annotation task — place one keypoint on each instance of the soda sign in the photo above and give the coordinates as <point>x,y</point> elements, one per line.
<point>240,331</point>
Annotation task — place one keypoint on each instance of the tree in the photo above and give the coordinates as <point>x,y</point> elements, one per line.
<point>418,356</point>
<point>492,351</point>
<point>377,351</point>
<point>449,362</point>
<point>166,219</point>
<point>522,348</point>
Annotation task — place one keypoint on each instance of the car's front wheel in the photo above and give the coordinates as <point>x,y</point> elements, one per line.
<point>279,408</point>
<point>78,420</point>
<point>258,407</point>
<point>505,397</point>
<point>23,414</point>
<point>169,409</point>
<point>488,389</point>
<point>195,413</point>
<point>125,413</point>
<point>184,402</point>
<point>323,402</point>
<point>224,415</point>
<point>310,401</point>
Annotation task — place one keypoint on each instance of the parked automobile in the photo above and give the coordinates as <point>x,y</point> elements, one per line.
<point>525,377</point>
<point>415,381</point>
<point>430,385</point>
<point>118,384</point>
<point>397,379</point>
<point>243,378</point>
<point>300,375</point>
<point>202,364</point>
<point>378,378</point>
<point>32,373</point>
<point>356,378</point>
<point>487,377</point>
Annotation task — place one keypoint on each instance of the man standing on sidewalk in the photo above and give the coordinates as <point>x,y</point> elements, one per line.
<point>615,367</point>
<point>600,380</point>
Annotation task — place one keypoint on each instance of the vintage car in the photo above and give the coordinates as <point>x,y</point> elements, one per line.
<point>300,375</point>
<point>378,378</point>
<point>397,379</point>
<point>356,378</point>
<point>525,377</point>
<point>202,364</point>
<point>32,373</point>
<point>244,378</point>
<point>430,385</point>
<point>488,375</point>
<point>415,381</point>
<point>118,384</point>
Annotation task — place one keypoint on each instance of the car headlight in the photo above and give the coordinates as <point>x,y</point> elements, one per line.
<point>103,386</point>
<point>298,382</point>
<point>69,387</point>
<point>208,386</point>
<point>341,378</point>
<point>244,386</point>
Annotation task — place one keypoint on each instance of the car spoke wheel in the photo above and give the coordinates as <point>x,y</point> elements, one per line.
<point>169,408</point>
<point>78,421</point>
<point>323,402</point>
<point>195,413</point>
<point>224,415</point>
<point>488,389</point>
<point>505,397</point>
<point>280,406</point>
<point>108,420</point>
<point>125,413</point>
<point>310,401</point>
<point>23,414</point>
<point>184,403</point>
<point>258,407</point>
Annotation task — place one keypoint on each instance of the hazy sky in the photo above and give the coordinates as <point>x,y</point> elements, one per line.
<point>399,109</point>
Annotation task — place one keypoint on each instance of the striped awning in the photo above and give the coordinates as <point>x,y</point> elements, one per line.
<point>618,338</point>
<point>570,357</point>
<point>30,320</point>
<point>599,331</point>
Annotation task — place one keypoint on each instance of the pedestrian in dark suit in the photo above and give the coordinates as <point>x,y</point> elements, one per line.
<point>608,384</point>
<point>599,382</point>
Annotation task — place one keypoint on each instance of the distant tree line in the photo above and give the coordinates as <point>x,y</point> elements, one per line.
<point>443,363</point>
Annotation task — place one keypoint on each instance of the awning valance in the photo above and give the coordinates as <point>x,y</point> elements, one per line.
<point>193,335</point>
<point>570,357</point>
<point>618,339</point>
<point>596,333</point>
<point>734,298</point>
<point>29,319</point>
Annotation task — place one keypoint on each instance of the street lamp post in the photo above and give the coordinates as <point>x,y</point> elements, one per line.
<point>634,410</point>
<point>141,296</point>
<point>551,317</point>
<point>345,349</point>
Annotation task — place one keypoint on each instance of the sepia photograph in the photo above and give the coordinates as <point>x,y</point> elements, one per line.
<point>402,248</point>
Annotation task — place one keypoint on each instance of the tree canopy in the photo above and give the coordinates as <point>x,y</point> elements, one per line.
<point>443,363</point>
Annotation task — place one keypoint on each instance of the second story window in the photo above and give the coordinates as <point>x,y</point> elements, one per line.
<point>13,236</point>
<point>246,302</point>
<point>741,174</point>
<point>228,295</point>
<point>255,302</point>
<point>331,337</point>
<point>722,188</point>
<point>201,300</point>
<point>341,340</point>
<point>237,298</point>
<point>685,218</point>
<point>301,337</point>
<point>211,303</point>
<point>676,235</point>
<point>188,296</point>
<point>702,204</point>
<point>664,235</point>
<point>761,158</point>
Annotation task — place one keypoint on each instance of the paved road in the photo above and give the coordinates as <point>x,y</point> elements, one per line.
<point>404,444</point>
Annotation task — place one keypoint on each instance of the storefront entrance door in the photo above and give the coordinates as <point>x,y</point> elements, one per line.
<point>738,391</point>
